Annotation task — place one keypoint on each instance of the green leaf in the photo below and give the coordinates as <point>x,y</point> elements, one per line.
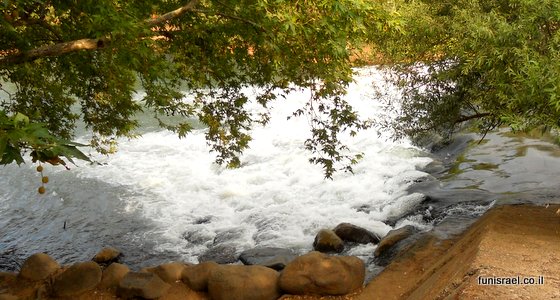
<point>20,120</point>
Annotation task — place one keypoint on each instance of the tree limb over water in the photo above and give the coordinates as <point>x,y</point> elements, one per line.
<point>14,56</point>
<point>95,56</point>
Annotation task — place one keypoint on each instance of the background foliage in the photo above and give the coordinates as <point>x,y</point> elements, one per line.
<point>495,61</point>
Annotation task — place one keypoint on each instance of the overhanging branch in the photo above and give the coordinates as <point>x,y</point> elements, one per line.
<point>54,50</point>
<point>471,117</point>
<point>172,14</point>
<point>16,57</point>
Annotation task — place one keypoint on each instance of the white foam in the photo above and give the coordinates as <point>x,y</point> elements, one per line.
<point>276,198</point>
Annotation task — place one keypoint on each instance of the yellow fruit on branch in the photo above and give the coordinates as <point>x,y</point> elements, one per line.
<point>45,179</point>
<point>41,190</point>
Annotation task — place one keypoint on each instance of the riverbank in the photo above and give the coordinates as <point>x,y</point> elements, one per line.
<point>508,241</point>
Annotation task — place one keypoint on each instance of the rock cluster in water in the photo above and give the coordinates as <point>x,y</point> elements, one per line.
<point>267,273</point>
<point>312,273</point>
<point>328,240</point>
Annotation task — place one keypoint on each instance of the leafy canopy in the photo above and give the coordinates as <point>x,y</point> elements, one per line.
<point>496,61</point>
<point>72,60</point>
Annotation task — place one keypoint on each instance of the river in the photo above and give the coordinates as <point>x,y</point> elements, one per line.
<point>161,198</point>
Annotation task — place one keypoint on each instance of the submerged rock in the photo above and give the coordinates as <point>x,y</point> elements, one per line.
<point>352,233</point>
<point>77,279</point>
<point>38,267</point>
<point>393,237</point>
<point>222,254</point>
<point>327,241</point>
<point>198,235</point>
<point>235,282</point>
<point>107,256</point>
<point>226,236</point>
<point>394,243</point>
<point>274,258</point>
<point>322,274</point>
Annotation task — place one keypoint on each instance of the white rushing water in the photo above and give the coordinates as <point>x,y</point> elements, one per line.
<point>167,195</point>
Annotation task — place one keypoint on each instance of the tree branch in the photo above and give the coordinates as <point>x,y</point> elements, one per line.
<point>17,57</point>
<point>227,16</point>
<point>54,50</point>
<point>475,116</point>
<point>172,14</point>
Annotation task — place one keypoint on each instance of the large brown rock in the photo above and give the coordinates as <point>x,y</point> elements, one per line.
<point>6,278</point>
<point>356,234</point>
<point>8,297</point>
<point>235,282</point>
<point>327,241</point>
<point>196,277</point>
<point>107,256</point>
<point>112,275</point>
<point>393,237</point>
<point>142,284</point>
<point>170,272</point>
<point>77,279</point>
<point>316,273</point>
<point>38,267</point>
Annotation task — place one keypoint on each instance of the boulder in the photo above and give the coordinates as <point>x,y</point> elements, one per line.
<point>112,275</point>
<point>327,241</point>
<point>274,258</point>
<point>107,256</point>
<point>316,273</point>
<point>8,297</point>
<point>222,254</point>
<point>142,284</point>
<point>77,279</point>
<point>7,277</point>
<point>196,277</point>
<point>235,282</point>
<point>38,267</point>
<point>355,234</point>
<point>170,272</point>
<point>393,237</point>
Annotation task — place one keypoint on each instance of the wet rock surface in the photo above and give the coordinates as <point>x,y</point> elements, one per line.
<point>222,254</point>
<point>355,234</point>
<point>326,240</point>
<point>107,256</point>
<point>275,258</point>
